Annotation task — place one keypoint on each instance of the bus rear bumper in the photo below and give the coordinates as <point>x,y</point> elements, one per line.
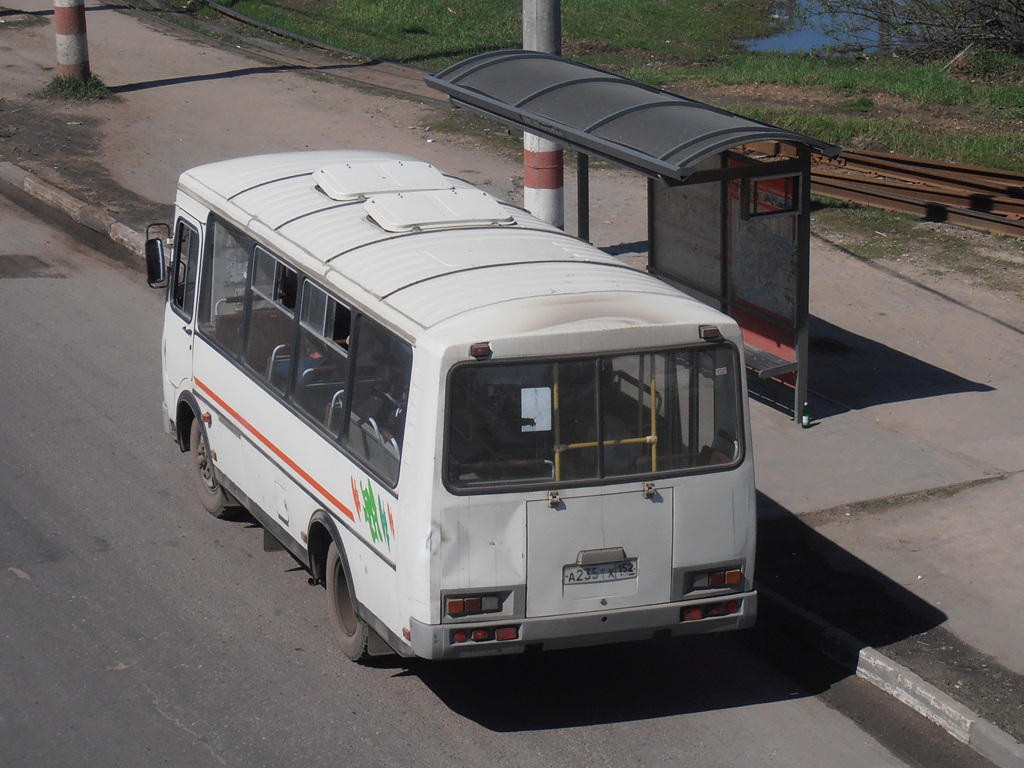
<point>433,641</point>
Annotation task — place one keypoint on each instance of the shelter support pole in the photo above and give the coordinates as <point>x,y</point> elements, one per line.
<point>543,172</point>
<point>803,299</point>
<point>72,44</point>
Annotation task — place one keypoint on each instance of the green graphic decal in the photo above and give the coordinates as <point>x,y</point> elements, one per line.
<point>378,517</point>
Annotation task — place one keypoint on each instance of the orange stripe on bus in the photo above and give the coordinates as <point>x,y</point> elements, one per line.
<point>276,451</point>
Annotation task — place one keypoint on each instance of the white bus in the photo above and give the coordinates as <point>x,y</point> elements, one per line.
<point>480,434</point>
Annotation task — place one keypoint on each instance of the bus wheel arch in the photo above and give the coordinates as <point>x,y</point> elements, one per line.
<point>187,412</point>
<point>320,539</point>
<point>350,630</point>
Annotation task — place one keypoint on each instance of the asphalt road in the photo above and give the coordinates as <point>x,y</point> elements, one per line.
<point>137,630</point>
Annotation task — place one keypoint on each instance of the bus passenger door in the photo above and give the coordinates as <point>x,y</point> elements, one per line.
<point>178,323</point>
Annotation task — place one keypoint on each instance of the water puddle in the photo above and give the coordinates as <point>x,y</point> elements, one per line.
<point>802,29</point>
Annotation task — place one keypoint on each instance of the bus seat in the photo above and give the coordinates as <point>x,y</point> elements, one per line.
<point>228,330</point>
<point>278,366</point>
<point>334,411</point>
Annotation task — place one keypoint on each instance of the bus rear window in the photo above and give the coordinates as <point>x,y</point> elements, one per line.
<point>585,420</point>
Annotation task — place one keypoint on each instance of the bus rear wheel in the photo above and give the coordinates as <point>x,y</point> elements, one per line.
<point>210,493</point>
<point>350,630</point>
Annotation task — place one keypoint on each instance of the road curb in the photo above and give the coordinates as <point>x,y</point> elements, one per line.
<point>85,214</point>
<point>958,720</point>
<point>961,722</point>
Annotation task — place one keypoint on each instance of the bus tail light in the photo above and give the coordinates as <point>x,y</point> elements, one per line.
<point>485,635</point>
<point>718,579</point>
<point>481,350</point>
<point>710,610</point>
<point>472,604</point>
<point>693,614</point>
<point>502,634</point>
<point>722,609</point>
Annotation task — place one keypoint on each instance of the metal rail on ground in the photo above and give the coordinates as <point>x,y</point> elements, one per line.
<point>986,199</point>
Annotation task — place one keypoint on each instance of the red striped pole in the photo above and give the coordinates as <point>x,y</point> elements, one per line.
<point>543,193</point>
<point>543,179</point>
<point>72,45</point>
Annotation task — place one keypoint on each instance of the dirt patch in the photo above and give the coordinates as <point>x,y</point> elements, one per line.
<point>874,106</point>
<point>941,256</point>
<point>11,19</point>
<point>60,144</point>
<point>884,505</point>
<point>970,677</point>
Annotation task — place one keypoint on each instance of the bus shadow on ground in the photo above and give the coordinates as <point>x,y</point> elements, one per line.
<point>778,660</point>
<point>849,372</point>
<point>611,684</point>
<point>818,575</point>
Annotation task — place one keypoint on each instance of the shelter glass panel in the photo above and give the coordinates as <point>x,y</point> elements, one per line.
<point>763,232</point>
<point>686,237</point>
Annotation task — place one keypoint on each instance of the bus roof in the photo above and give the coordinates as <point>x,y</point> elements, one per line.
<point>392,229</point>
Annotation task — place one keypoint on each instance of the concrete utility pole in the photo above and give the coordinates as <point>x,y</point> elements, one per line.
<point>72,46</point>
<point>543,193</point>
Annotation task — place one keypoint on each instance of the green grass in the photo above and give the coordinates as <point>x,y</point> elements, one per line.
<point>187,22</point>
<point>659,32</point>
<point>427,34</point>
<point>859,104</point>
<point>911,81</point>
<point>432,34</point>
<point>994,148</point>
<point>75,89</point>
<point>676,44</point>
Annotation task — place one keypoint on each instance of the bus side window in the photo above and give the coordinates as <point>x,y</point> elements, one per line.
<point>268,343</point>
<point>222,287</point>
<point>186,262</point>
<point>322,370</point>
<point>380,390</point>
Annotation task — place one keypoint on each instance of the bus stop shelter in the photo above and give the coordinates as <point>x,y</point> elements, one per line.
<point>728,197</point>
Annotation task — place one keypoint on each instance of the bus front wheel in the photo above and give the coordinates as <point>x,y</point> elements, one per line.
<point>210,493</point>
<point>350,630</point>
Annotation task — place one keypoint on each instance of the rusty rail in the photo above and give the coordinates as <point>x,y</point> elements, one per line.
<point>987,199</point>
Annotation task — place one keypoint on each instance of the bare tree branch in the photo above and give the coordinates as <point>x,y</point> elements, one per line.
<point>925,28</point>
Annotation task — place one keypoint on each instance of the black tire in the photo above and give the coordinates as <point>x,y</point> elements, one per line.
<point>211,494</point>
<point>350,630</point>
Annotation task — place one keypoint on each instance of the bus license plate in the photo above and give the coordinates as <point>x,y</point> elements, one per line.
<point>598,572</point>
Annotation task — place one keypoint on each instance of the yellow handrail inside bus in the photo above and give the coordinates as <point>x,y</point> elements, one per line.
<point>558,427</point>
<point>559,449</point>
<point>654,423</point>
<point>651,439</point>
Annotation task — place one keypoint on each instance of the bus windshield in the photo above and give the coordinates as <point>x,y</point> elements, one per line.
<point>539,422</point>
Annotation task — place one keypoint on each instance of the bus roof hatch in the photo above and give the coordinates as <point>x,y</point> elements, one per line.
<point>436,209</point>
<point>349,182</point>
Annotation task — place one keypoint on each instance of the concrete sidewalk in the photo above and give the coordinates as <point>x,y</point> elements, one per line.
<point>916,382</point>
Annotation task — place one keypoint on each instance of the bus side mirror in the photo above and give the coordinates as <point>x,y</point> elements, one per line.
<point>156,267</point>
